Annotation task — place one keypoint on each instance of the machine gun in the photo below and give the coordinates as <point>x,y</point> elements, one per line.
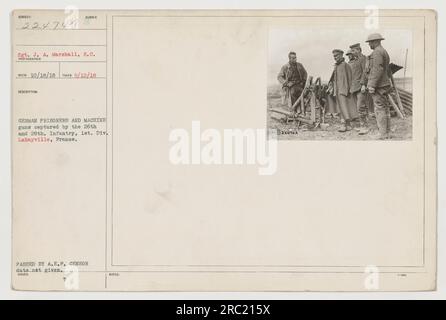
<point>310,107</point>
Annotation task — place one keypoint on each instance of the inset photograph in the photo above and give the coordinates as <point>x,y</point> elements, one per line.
<point>340,84</point>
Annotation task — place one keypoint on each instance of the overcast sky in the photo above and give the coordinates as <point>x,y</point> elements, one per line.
<point>314,46</point>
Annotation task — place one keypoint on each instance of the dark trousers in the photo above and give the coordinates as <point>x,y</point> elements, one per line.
<point>361,106</point>
<point>295,92</point>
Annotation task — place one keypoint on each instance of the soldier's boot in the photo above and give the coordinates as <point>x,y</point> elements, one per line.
<point>383,124</point>
<point>363,126</point>
<point>346,127</point>
<point>378,136</point>
<point>363,130</point>
<point>382,113</point>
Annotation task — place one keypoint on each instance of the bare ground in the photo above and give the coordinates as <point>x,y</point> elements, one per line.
<point>401,129</point>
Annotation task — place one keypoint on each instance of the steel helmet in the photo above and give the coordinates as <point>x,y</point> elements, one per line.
<point>374,36</point>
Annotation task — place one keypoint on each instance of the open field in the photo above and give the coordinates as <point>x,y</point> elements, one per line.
<point>401,129</point>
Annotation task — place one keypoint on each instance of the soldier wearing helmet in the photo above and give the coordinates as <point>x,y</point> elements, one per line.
<point>378,83</point>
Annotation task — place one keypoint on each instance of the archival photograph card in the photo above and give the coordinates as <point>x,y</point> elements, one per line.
<point>224,150</point>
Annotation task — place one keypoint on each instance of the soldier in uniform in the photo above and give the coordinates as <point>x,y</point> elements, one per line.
<point>293,77</point>
<point>358,86</point>
<point>378,83</point>
<point>340,83</point>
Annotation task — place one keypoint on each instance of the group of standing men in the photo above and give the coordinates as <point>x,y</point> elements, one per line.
<point>349,85</point>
